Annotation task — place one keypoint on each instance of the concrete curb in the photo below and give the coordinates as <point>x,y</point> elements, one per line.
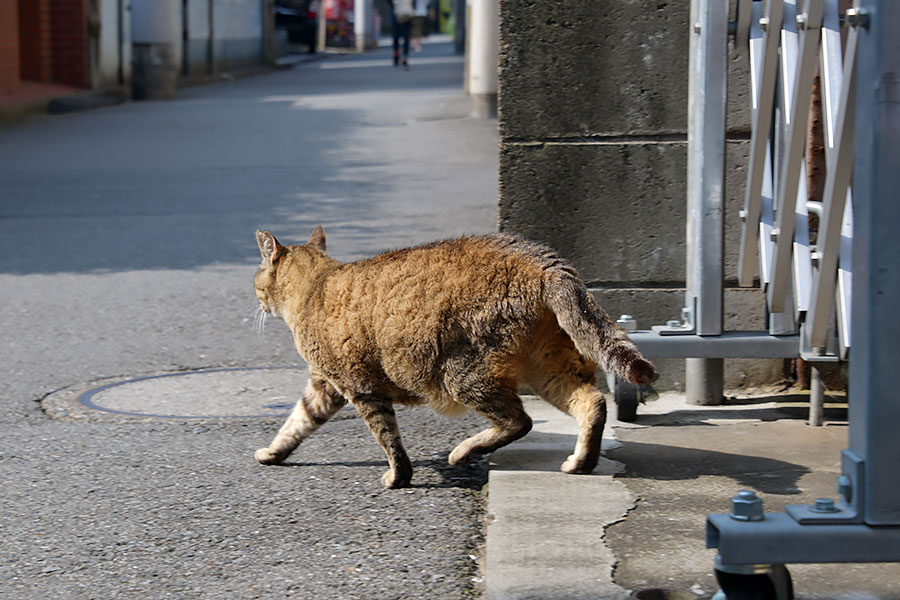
<point>15,113</point>
<point>88,100</point>
<point>93,99</point>
<point>57,105</point>
<point>545,528</point>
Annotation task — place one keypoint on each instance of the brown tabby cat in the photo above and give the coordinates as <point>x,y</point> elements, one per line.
<point>454,324</point>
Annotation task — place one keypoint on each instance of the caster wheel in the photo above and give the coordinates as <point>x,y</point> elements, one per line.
<point>627,396</point>
<point>774,584</point>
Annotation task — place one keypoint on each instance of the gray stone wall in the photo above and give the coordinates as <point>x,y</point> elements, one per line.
<point>593,156</point>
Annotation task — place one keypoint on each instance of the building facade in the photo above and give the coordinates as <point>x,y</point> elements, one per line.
<point>90,44</point>
<point>77,43</point>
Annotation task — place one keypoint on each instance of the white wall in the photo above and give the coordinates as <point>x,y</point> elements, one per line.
<point>237,34</point>
<point>110,38</point>
<point>237,19</point>
<point>156,22</point>
<point>198,19</point>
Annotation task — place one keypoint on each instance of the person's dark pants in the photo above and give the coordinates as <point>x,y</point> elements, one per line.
<point>400,30</point>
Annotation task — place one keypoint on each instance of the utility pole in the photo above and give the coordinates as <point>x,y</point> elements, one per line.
<point>483,44</point>
<point>157,47</point>
<point>362,24</point>
<point>322,29</point>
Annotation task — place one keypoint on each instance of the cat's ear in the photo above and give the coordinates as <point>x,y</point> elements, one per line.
<point>269,248</point>
<point>317,238</point>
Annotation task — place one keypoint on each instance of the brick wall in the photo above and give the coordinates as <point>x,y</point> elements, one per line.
<point>68,29</point>
<point>9,44</point>
<point>35,48</point>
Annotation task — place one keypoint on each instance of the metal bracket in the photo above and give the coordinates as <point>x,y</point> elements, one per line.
<point>686,326</point>
<point>848,509</point>
<point>781,540</point>
<point>856,17</point>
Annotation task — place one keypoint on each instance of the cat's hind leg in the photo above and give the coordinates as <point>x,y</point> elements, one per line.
<point>319,403</point>
<point>378,413</point>
<point>566,380</point>
<point>587,405</point>
<point>501,406</point>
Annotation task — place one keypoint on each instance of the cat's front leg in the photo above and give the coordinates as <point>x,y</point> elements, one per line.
<point>378,413</point>
<point>320,401</point>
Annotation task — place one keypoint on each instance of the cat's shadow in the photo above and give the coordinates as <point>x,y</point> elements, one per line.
<point>436,470</point>
<point>347,463</point>
<point>664,462</point>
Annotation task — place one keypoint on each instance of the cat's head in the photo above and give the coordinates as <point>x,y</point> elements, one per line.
<point>274,255</point>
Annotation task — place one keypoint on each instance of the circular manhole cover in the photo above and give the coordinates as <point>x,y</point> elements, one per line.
<point>210,393</point>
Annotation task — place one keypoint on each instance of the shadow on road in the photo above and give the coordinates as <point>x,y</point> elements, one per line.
<point>471,476</point>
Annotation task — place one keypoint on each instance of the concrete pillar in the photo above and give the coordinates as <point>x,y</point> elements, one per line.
<point>362,24</point>
<point>157,47</point>
<point>483,40</point>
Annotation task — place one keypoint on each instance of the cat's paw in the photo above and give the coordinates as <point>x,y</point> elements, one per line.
<point>392,481</point>
<point>460,454</point>
<point>641,372</point>
<point>575,465</point>
<point>266,457</point>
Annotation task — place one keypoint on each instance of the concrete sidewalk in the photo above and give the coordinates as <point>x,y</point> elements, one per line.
<point>545,527</point>
<point>638,522</point>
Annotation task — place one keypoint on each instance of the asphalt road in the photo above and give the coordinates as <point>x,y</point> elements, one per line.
<point>127,249</point>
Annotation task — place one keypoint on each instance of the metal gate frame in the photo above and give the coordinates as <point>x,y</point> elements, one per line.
<point>863,525</point>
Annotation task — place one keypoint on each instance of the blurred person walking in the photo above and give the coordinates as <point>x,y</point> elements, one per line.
<point>402,13</point>
<point>420,24</point>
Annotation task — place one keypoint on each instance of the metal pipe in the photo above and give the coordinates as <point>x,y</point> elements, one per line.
<point>731,344</point>
<point>704,380</point>
<point>816,397</point>
<point>814,207</point>
<point>705,193</point>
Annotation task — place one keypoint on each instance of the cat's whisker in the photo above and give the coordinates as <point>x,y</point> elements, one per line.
<point>259,321</point>
<point>263,317</point>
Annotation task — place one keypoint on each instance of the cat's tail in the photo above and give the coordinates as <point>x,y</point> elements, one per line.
<point>594,333</point>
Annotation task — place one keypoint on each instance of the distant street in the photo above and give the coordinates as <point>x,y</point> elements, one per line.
<point>127,249</point>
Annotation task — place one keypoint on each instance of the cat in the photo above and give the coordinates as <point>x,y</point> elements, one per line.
<point>456,325</point>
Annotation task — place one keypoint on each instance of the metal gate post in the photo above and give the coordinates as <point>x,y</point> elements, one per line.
<point>875,405</point>
<point>705,191</point>
<point>864,525</point>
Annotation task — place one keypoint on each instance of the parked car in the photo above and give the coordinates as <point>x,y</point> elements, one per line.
<point>299,19</point>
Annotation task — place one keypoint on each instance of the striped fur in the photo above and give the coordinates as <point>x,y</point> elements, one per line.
<point>457,325</point>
